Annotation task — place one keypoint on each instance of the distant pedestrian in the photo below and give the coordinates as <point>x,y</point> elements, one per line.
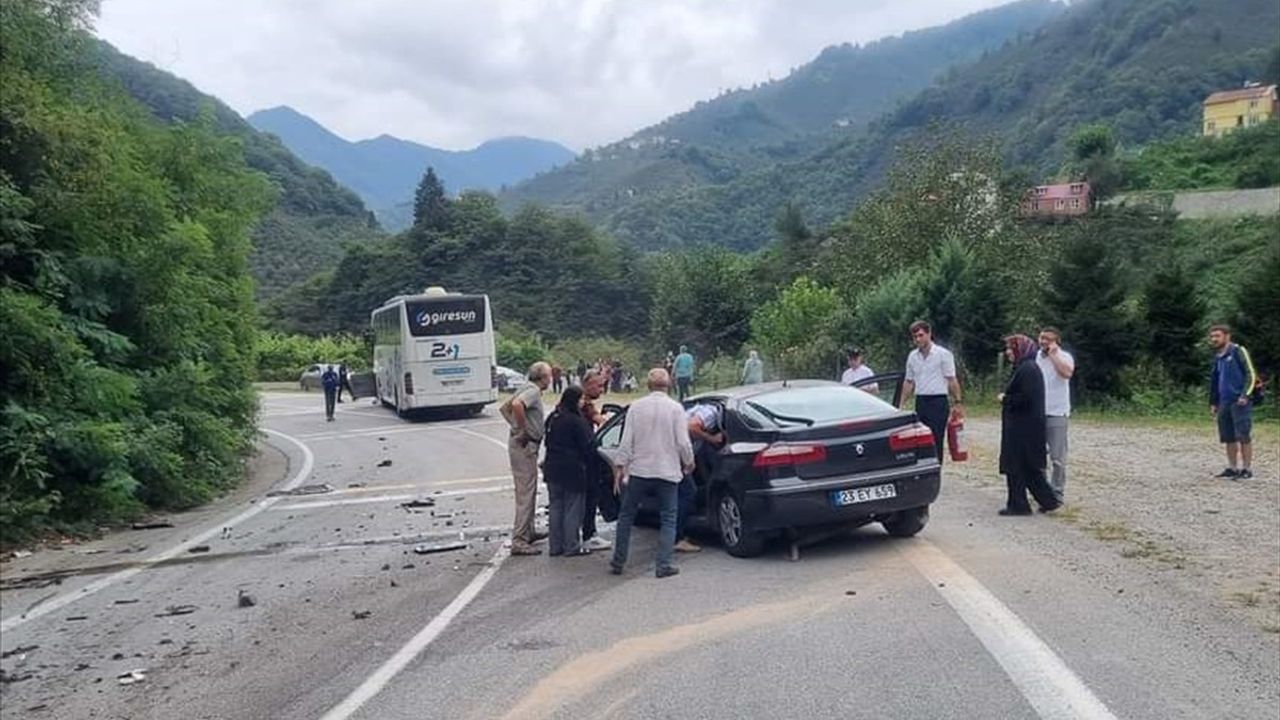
<point>615,376</point>
<point>570,446</point>
<point>557,378</point>
<point>329,380</point>
<point>655,452</point>
<point>931,377</point>
<point>858,370</point>
<point>1231,388</point>
<point>582,369</point>
<point>684,369</point>
<point>1022,431</point>
<point>344,382</point>
<point>753,369</point>
<point>592,390</point>
<point>524,413</point>
<point>1057,366</point>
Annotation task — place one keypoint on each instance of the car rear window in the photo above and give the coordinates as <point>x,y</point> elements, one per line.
<point>820,405</point>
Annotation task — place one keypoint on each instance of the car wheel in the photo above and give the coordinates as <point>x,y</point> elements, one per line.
<point>906,523</point>
<point>739,539</point>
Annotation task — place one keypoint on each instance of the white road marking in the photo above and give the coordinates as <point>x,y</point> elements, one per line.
<point>1044,679</point>
<point>500,443</point>
<point>389,430</point>
<point>308,461</point>
<point>405,655</point>
<point>412,486</point>
<point>392,498</point>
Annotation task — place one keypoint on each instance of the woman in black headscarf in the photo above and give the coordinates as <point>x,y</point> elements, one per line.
<point>1022,431</point>
<point>570,443</point>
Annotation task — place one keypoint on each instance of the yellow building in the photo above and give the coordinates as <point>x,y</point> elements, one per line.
<point>1227,110</point>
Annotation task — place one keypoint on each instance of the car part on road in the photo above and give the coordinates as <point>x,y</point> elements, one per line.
<point>245,600</point>
<point>198,549</point>
<point>906,523</point>
<point>317,489</point>
<point>20,650</point>
<point>443,547</point>
<point>132,677</point>
<point>418,503</point>
<point>151,525</point>
<point>174,610</point>
<point>384,463</point>
<point>361,614</point>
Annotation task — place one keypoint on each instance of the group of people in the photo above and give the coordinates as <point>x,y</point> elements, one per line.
<point>615,375</point>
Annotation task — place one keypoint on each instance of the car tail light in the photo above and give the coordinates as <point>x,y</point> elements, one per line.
<point>916,437</point>
<point>790,454</point>
<point>408,383</point>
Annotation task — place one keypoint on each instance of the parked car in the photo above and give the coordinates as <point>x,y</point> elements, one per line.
<point>806,455</point>
<point>310,378</point>
<point>508,380</point>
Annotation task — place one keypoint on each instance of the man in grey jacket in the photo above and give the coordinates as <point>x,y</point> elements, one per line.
<point>656,454</point>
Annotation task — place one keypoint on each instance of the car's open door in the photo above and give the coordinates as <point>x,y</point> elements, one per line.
<point>608,438</point>
<point>887,387</point>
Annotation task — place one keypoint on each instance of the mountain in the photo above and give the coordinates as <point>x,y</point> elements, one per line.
<point>720,140</point>
<point>314,217</point>
<point>1141,66</point>
<point>385,170</point>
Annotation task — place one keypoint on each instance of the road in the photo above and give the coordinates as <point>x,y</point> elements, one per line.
<point>978,617</point>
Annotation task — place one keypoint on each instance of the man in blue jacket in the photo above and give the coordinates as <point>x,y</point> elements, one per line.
<point>331,384</point>
<point>1230,400</point>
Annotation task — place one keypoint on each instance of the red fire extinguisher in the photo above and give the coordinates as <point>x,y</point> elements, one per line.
<point>955,438</point>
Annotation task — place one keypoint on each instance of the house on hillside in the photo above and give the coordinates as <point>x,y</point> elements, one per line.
<point>1227,110</point>
<point>1064,200</point>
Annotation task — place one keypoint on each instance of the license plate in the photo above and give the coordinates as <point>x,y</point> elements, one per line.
<point>853,496</point>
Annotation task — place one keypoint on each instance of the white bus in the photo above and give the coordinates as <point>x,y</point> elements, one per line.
<point>434,350</point>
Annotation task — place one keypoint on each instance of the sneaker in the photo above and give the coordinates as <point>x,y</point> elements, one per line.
<point>667,571</point>
<point>522,549</point>
<point>1229,473</point>
<point>1244,474</point>
<point>684,546</point>
<point>595,542</point>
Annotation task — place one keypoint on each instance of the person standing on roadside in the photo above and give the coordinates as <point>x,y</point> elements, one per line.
<point>859,370</point>
<point>330,382</point>
<point>753,369</point>
<point>931,377</point>
<point>1057,366</point>
<point>1022,430</point>
<point>344,382</point>
<point>684,368</point>
<point>592,390</point>
<point>1231,385</point>
<point>656,453</point>
<point>570,446</point>
<point>526,418</point>
<point>557,378</point>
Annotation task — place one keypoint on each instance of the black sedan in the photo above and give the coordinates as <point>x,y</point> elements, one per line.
<point>807,455</point>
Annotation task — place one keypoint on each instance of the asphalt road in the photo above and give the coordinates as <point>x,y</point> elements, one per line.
<point>978,617</point>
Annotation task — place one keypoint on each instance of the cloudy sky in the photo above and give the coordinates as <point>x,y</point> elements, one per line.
<point>453,73</point>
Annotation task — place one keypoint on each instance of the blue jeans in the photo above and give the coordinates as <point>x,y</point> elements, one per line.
<point>686,498</point>
<point>638,488</point>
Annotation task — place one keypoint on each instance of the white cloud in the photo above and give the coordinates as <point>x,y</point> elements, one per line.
<point>453,73</point>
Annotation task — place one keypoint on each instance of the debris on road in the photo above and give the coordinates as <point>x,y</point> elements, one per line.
<point>382,439</point>
<point>20,553</point>
<point>245,600</point>
<point>386,566</point>
<point>395,584</point>
<point>151,525</point>
<point>174,610</point>
<point>75,618</point>
<point>20,650</point>
<point>198,549</point>
<point>133,676</point>
<point>418,503</point>
<point>361,614</point>
<point>355,485</point>
<point>442,547</point>
<point>6,677</point>
<point>131,549</point>
<point>385,463</point>
<point>850,592</point>
<point>317,489</point>
<point>130,601</point>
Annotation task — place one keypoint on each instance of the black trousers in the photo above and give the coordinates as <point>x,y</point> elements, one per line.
<point>1036,483</point>
<point>329,397</point>
<point>934,411</point>
<point>682,387</point>
<point>589,511</point>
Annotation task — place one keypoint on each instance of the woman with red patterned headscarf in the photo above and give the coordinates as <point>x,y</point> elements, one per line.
<point>1022,430</point>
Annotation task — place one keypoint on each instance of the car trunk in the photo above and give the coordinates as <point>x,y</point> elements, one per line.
<point>852,447</point>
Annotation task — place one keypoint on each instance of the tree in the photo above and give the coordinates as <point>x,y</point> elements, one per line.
<point>702,298</point>
<point>1086,299</point>
<point>430,204</point>
<point>1258,323</point>
<point>797,329</point>
<point>796,242</point>
<point>1173,315</point>
<point>1094,151</point>
<point>966,306</point>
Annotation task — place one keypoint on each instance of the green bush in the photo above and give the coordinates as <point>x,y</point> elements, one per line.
<point>283,357</point>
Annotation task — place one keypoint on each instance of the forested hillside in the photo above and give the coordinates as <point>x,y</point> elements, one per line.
<point>304,233</point>
<point>125,292</point>
<point>1143,66</point>
<point>384,170</point>
<point>720,140</point>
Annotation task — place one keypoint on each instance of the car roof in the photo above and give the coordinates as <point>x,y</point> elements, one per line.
<point>742,392</point>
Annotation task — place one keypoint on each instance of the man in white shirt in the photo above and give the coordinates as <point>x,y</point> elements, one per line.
<point>1057,366</point>
<point>931,377</point>
<point>858,370</point>
<point>656,453</point>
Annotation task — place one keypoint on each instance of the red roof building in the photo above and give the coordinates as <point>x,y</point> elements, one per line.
<point>1064,200</point>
